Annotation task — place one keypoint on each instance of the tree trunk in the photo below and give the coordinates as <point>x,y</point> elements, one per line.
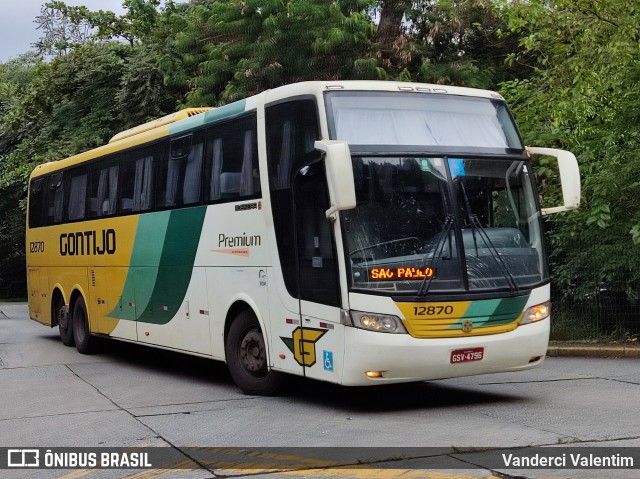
<point>390,25</point>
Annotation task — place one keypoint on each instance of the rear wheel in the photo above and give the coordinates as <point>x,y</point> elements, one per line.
<point>84,341</point>
<point>247,357</point>
<point>61,317</point>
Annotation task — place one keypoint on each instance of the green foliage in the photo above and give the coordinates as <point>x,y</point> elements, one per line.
<point>12,259</point>
<point>67,107</point>
<point>239,47</point>
<point>584,95</point>
<point>243,47</point>
<point>461,42</point>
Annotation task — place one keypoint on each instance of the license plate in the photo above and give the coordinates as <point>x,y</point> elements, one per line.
<point>466,355</point>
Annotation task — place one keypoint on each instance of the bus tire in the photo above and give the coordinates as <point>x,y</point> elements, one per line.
<point>81,334</point>
<point>247,357</point>
<point>62,318</point>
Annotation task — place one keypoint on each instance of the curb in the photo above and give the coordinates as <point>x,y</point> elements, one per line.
<point>593,351</point>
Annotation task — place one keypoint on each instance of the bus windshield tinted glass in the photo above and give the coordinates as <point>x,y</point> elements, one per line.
<point>420,119</point>
<point>443,225</point>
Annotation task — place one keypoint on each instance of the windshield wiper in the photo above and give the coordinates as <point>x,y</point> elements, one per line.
<point>475,224</point>
<point>437,253</point>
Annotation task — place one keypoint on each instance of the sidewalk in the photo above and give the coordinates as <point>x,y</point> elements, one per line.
<point>588,350</point>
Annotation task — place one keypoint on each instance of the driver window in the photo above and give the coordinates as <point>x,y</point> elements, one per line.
<point>316,248</point>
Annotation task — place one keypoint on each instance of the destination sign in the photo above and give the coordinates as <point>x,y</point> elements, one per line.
<point>400,274</point>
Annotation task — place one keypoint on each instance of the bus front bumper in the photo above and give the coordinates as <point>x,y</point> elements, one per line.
<point>402,358</point>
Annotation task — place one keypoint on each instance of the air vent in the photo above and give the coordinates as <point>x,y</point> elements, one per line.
<point>93,278</point>
<point>196,111</point>
<point>165,120</point>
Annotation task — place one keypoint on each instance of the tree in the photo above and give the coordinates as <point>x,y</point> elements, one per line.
<point>66,26</point>
<point>15,78</point>
<point>584,95</point>
<point>63,28</point>
<point>462,42</point>
<point>243,47</point>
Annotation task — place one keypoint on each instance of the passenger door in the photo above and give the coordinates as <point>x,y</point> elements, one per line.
<point>319,280</point>
<point>305,313</point>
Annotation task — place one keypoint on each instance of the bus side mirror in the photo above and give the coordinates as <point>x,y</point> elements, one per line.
<point>569,177</point>
<point>342,190</point>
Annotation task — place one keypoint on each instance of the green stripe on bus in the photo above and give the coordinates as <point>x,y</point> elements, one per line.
<point>141,278</point>
<point>481,308</point>
<point>176,265</point>
<point>216,114</point>
<point>511,307</point>
<point>493,312</point>
<point>225,111</point>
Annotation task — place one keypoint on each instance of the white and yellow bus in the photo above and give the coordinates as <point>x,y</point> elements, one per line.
<point>359,233</point>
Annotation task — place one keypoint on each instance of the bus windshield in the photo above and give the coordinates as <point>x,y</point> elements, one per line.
<point>452,224</point>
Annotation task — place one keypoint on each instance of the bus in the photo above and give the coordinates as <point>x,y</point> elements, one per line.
<point>355,232</point>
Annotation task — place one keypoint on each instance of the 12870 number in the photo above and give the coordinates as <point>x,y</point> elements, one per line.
<point>432,310</point>
<point>36,246</point>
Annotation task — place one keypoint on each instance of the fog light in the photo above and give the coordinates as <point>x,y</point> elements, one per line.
<point>373,374</point>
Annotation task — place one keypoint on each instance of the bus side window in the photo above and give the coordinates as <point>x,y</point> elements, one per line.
<point>231,164</point>
<point>55,199</point>
<point>214,155</point>
<point>232,157</point>
<point>36,202</point>
<point>316,249</point>
<point>136,181</point>
<point>180,172</point>
<point>191,185</point>
<point>103,192</point>
<point>77,200</point>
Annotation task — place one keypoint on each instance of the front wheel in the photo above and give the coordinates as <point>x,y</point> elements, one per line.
<point>81,334</point>
<point>247,357</point>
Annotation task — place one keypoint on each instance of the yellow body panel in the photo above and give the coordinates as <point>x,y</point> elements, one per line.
<point>92,257</point>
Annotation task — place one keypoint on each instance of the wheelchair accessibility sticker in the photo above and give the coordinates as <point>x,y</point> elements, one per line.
<point>328,360</point>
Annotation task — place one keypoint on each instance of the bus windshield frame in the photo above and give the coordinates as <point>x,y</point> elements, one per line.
<point>433,217</point>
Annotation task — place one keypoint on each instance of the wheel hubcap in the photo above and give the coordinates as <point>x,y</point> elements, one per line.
<point>252,353</point>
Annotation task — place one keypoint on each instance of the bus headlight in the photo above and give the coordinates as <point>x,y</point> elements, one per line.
<point>536,313</point>
<point>382,323</point>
